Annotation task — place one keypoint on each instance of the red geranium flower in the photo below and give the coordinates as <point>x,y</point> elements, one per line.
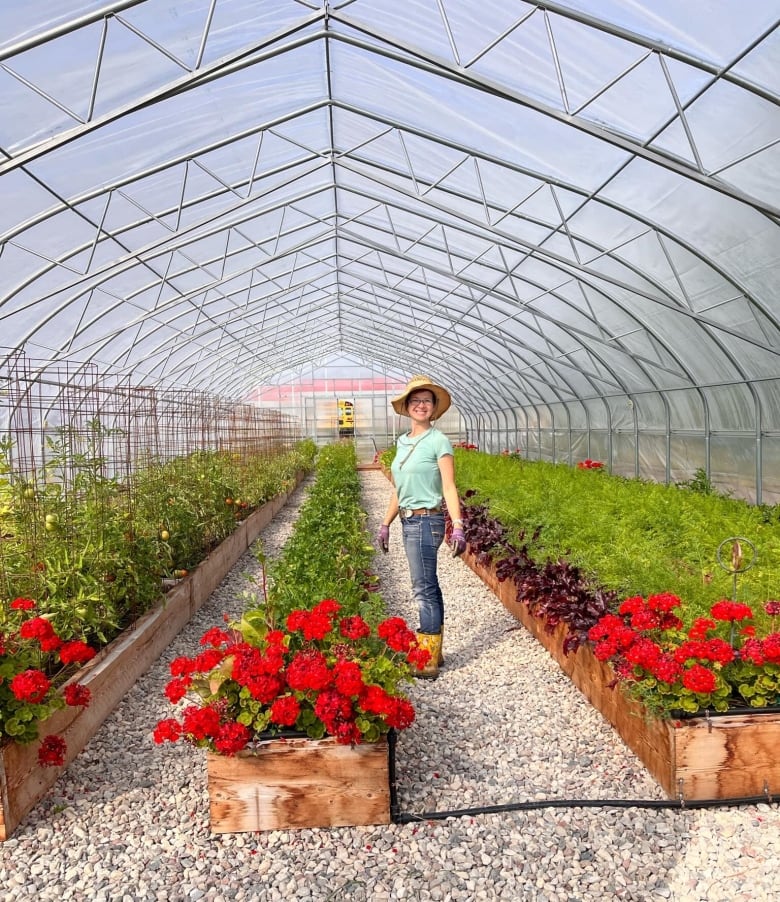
<point>663,601</point>
<point>22,604</point>
<point>52,752</point>
<point>285,710</point>
<point>308,670</point>
<point>76,695</point>
<point>666,669</point>
<point>771,648</point>
<point>264,687</point>
<point>181,667</point>
<point>699,679</point>
<point>348,678</point>
<point>208,660</point>
<point>700,627</point>
<point>37,628</point>
<point>731,611</point>
<point>200,722</point>
<point>30,686</point>
<point>76,652</point>
<point>216,637</point>
<point>231,738</point>
<point>400,714</point>
<point>168,730</point>
<point>396,634</point>
<point>177,689</point>
<point>354,627</point>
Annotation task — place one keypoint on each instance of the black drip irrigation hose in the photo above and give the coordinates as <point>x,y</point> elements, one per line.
<point>408,817</point>
<point>679,804</point>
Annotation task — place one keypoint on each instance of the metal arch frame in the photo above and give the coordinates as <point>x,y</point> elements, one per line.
<point>512,300</point>
<point>280,314</point>
<point>139,257</point>
<point>481,287</point>
<point>113,235</point>
<point>567,266</point>
<point>513,339</point>
<point>453,346</point>
<point>721,72</point>
<point>136,255</point>
<point>235,62</point>
<point>398,125</point>
<point>441,67</point>
<point>564,402</point>
<point>653,228</point>
<point>382,249</point>
<point>661,391</point>
<point>495,376</point>
<point>177,244</point>
<point>416,58</point>
<point>703,398</point>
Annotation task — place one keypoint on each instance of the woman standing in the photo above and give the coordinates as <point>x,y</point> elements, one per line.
<point>423,474</point>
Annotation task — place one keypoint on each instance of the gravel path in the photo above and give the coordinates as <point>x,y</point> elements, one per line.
<point>129,820</point>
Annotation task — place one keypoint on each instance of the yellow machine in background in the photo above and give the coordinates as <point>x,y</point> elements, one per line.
<point>346,417</point>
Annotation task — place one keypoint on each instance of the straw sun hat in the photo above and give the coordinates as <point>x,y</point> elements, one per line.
<point>419,383</point>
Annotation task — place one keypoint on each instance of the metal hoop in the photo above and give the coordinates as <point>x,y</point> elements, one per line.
<point>736,541</point>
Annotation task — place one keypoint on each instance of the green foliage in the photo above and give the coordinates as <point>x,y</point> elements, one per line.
<point>700,483</point>
<point>329,554</point>
<point>88,547</point>
<point>632,536</point>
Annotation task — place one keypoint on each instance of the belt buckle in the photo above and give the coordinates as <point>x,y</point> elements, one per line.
<point>406,513</point>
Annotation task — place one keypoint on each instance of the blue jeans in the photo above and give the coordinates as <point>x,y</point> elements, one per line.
<point>422,538</point>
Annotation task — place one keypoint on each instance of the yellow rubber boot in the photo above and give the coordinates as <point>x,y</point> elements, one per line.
<point>432,644</point>
<point>441,647</point>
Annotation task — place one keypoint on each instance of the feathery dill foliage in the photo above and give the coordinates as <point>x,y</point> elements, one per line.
<point>631,536</point>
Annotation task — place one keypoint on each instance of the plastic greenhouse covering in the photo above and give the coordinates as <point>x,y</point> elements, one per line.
<point>568,212</point>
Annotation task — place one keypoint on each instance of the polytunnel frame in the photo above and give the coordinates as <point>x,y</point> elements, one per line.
<point>330,104</point>
<point>135,256</point>
<point>436,66</point>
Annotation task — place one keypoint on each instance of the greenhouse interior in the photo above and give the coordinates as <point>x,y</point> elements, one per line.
<point>250,251</point>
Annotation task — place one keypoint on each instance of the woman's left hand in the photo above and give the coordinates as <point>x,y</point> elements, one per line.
<point>457,542</point>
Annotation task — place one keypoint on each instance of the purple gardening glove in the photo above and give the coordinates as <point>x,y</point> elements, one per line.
<point>383,538</point>
<point>457,542</point>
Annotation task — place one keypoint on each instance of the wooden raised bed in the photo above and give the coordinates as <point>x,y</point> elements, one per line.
<point>732,756</point>
<point>114,670</point>
<point>300,782</point>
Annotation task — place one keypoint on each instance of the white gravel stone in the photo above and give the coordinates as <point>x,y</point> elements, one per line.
<point>129,819</point>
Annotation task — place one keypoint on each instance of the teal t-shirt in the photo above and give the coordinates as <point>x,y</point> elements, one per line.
<point>415,468</point>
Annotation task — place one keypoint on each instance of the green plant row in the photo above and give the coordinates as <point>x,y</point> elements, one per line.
<point>628,535</point>
<point>92,548</point>
<point>329,554</point>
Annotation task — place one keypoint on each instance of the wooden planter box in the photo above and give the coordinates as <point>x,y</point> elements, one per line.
<point>300,782</point>
<point>733,756</point>
<point>114,670</point>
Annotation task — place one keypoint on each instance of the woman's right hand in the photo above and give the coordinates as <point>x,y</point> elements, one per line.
<point>383,538</point>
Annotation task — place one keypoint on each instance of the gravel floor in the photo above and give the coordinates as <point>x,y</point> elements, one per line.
<point>129,820</point>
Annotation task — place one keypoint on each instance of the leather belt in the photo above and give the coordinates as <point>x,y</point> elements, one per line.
<point>407,512</point>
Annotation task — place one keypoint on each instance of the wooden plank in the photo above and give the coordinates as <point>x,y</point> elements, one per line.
<point>734,756</point>
<point>295,783</point>
<point>211,571</point>
<point>111,673</point>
